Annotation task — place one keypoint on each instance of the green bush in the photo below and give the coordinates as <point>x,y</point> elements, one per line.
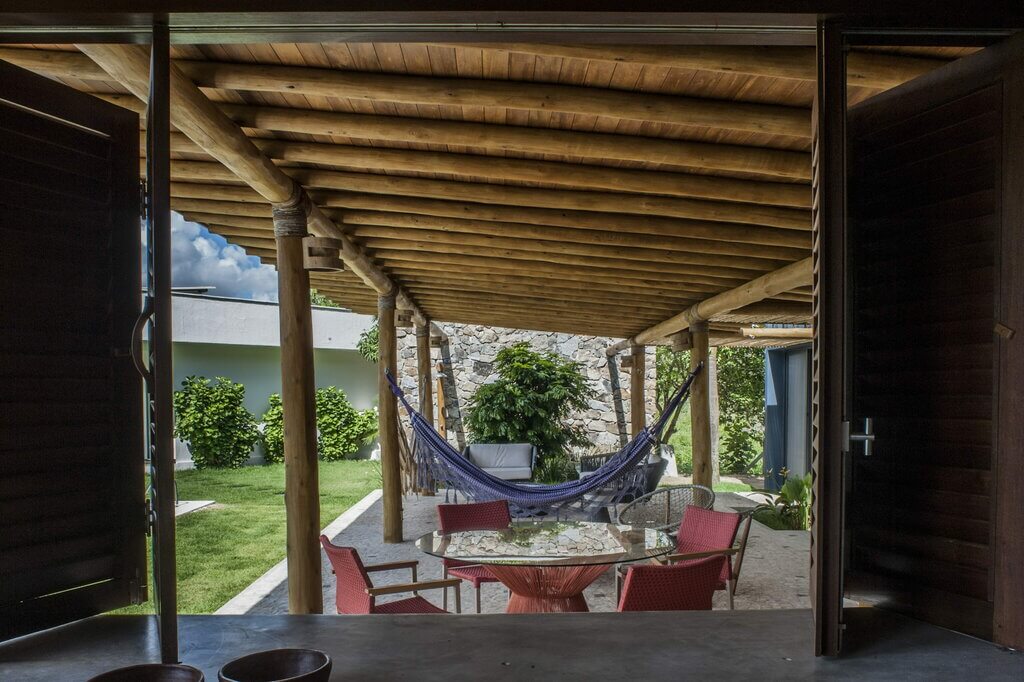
<point>556,469</point>
<point>213,420</point>
<point>741,409</point>
<point>531,402</point>
<point>369,343</point>
<point>341,428</point>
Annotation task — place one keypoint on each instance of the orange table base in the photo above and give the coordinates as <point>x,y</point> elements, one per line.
<point>546,589</point>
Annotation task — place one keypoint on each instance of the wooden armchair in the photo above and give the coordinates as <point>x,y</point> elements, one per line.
<point>356,593</point>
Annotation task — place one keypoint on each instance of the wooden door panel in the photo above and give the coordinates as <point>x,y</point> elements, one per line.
<point>72,533</point>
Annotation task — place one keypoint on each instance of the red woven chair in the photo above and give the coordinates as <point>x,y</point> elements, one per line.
<point>355,593</point>
<point>453,518</point>
<point>706,532</point>
<point>674,587</point>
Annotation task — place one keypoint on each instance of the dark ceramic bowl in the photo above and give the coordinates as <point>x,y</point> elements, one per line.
<point>151,672</point>
<point>278,665</point>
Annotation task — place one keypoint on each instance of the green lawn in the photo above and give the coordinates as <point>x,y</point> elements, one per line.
<point>223,548</point>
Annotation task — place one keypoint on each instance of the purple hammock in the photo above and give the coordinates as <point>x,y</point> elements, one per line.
<point>623,474</point>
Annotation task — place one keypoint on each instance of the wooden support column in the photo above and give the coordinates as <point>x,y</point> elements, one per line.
<point>298,397</point>
<point>700,406</point>
<point>712,369</point>
<point>391,470</point>
<point>637,381</point>
<point>424,380</point>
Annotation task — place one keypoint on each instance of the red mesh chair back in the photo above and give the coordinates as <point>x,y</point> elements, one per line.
<point>703,530</point>
<point>352,579</point>
<point>453,518</point>
<point>685,586</point>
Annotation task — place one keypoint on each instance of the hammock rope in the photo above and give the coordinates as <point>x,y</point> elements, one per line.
<point>624,472</point>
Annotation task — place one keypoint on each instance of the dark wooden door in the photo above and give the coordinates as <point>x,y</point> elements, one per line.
<point>72,521</point>
<point>934,292</point>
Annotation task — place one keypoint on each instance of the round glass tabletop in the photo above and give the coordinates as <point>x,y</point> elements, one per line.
<point>550,543</point>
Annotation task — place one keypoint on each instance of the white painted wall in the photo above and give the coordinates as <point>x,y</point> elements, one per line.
<point>240,340</point>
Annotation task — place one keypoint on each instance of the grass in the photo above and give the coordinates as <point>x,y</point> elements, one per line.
<point>224,548</point>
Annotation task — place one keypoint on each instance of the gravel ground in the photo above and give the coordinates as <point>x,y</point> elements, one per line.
<point>774,573</point>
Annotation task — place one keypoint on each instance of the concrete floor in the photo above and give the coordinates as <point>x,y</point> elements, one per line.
<point>709,645</point>
<point>774,573</point>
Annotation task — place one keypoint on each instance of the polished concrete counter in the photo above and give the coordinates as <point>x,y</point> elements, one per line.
<point>722,645</point>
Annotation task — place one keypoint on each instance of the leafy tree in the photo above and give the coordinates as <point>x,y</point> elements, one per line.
<point>531,402</point>
<point>213,420</point>
<point>316,298</point>
<point>741,408</point>
<point>672,368</point>
<point>369,343</point>
<point>341,428</point>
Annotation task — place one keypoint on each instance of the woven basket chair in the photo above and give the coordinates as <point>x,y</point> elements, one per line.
<point>664,508</point>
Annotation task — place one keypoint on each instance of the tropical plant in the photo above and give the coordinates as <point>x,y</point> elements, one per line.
<point>532,401</point>
<point>788,509</point>
<point>369,342</point>
<point>341,428</point>
<point>211,418</point>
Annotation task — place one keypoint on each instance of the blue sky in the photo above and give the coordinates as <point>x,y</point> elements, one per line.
<point>201,258</point>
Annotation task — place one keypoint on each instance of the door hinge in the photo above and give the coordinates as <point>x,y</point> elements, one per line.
<point>143,199</point>
<point>137,589</point>
<point>150,519</point>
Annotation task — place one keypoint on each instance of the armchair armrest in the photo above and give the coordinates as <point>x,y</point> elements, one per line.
<point>673,558</point>
<point>391,566</point>
<point>413,587</point>
<point>394,565</point>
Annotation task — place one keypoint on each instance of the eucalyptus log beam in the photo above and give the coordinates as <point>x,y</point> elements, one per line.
<point>700,405</point>
<point>794,275</point>
<point>767,162</point>
<point>748,238</point>
<point>777,332</point>
<point>573,200</point>
<point>865,69</point>
<point>298,398</point>
<point>200,119</point>
<point>390,464</point>
<point>574,175</point>
<point>637,391</point>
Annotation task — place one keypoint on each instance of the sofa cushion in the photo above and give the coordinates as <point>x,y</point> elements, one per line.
<point>510,473</point>
<point>501,455</point>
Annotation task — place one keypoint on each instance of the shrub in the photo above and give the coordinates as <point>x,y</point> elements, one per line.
<point>213,420</point>
<point>555,469</point>
<point>531,402</point>
<point>341,428</point>
<point>741,409</point>
<point>369,343</point>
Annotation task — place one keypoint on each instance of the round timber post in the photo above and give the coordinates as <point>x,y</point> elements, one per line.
<point>637,396</point>
<point>424,381</point>
<point>298,398</point>
<point>700,405</point>
<point>391,468</point>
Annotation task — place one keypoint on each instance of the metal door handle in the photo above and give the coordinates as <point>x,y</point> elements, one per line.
<point>867,438</point>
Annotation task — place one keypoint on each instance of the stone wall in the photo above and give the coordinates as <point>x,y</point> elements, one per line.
<point>468,356</point>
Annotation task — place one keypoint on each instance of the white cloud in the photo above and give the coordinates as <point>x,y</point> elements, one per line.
<point>203,259</point>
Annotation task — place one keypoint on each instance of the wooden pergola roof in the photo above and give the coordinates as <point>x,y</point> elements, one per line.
<point>595,190</point>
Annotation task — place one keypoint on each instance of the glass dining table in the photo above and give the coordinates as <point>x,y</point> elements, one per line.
<point>546,565</point>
